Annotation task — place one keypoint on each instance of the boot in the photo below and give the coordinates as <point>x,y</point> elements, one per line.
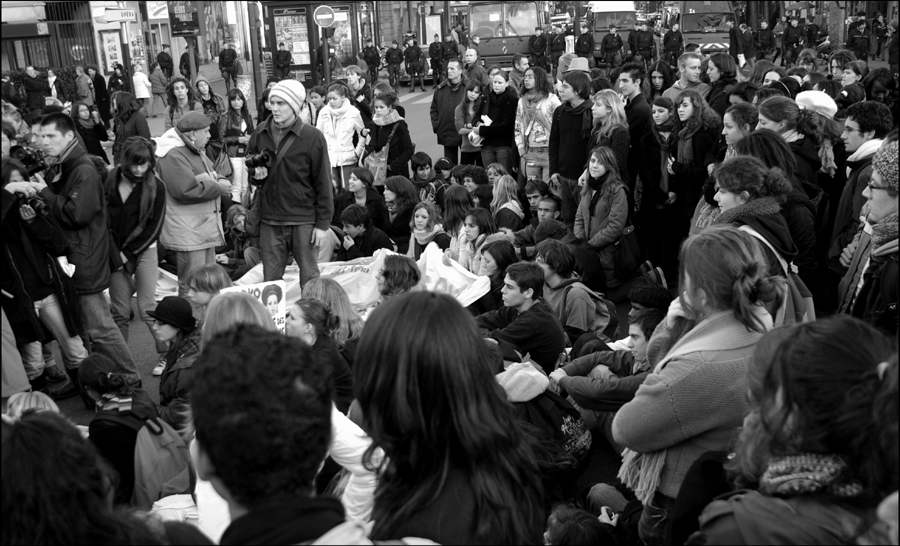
<point>53,374</point>
<point>61,391</point>
<point>38,384</point>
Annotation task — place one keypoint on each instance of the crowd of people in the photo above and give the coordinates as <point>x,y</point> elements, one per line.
<point>745,217</point>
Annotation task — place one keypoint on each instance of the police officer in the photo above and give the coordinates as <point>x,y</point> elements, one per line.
<point>584,44</point>
<point>434,57</point>
<point>394,58</point>
<point>414,66</point>
<point>673,42</point>
<point>611,44</point>
<point>645,44</point>
<point>557,46</point>
<point>372,57</point>
<point>537,46</point>
<point>793,42</point>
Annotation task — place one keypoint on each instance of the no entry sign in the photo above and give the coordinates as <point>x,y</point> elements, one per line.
<point>324,16</point>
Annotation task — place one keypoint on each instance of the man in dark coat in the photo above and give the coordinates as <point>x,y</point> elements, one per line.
<point>860,41</point>
<point>228,66</point>
<point>748,44</point>
<point>394,58</point>
<point>794,38</point>
<point>449,51</point>
<point>673,43</point>
<point>557,47</point>
<point>283,60</point>
<point>584,44</point>
<point>765,39</point>
<point>434,57</point>
<point>35,90</point>
<point>185,63</point>
<point>414,59</point>
<point>643,41</point>
<point>611,45</point>
<point>443,110</point>
<point>164,58</point>
<point>735,41</point>
<point>537,46</point>
<point>372,57</point>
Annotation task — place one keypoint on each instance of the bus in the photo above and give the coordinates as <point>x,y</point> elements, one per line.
<point>504,29</point>
<point>704,23</point>
<point>604,14</point>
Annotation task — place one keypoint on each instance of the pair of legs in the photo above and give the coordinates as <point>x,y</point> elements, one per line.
<point>124,285</point>
<point>536,164</point>
<point>394,76</point>
<point>413,72</point>
<point>278,243</point>
<point>452,153</point>
<point>104,335</point>
<point>161,97</point>
<point>186,261</point>
<point>230,77</point>
<point>497,154</point>
<point>71,346</point>
<point>470,158</point>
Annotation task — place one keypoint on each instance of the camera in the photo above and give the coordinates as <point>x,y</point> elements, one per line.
<point>36,203</point>
<point>264,158</point>
<point>32,159</point>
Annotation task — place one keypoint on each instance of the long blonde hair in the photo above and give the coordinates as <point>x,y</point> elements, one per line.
<point>505,191</point>
<point>616,107</point>
<point>227,310</point>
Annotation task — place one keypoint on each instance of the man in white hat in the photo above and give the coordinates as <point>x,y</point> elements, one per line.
<point>295,196</point>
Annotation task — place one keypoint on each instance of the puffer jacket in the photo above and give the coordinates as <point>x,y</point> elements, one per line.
<point>537,134</point>
<point>158,82</point>
<point>78,207</point>
<point>339,133</point>
<point>600,221</point>
<point>193,210</point>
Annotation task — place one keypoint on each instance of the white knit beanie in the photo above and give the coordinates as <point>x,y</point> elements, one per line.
<point>291,92</point>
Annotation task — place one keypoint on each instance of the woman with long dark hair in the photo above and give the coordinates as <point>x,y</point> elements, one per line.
<point>500,106</point>
<point>457,204</point>
<point>389,129</point>
<point>360,191</point>
<point>457,466</point>
<point>89,125</point>
<point>661,78</point>
<point>235,128</point>
<point>534,119</point>
<point>818,450</point>
<point>130,122</point>
<point>466,118</point>
<point>400,196</point>
<point>497,256</point>
<point>722,72</point>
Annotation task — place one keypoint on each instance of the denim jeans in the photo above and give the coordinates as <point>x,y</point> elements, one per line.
<point>105,336</point>
<point>123,285</point>
<point>536,163</point>
<point>278,243</point>
<point>470,158</point>
<point>187,261</point>
<point>71,346</point>
<point>497,154</point>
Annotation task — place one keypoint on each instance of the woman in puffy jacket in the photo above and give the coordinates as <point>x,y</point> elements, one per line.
<point>500,108</point>
<point>387,123</point>
<point>342,126</point>
<point>600,219</point>
<point>534,118</point>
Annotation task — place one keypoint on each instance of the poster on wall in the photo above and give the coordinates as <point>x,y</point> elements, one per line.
<point>111,48</point>
<point>184,18</point>
<point>272,295</point>
<point>291,28</point>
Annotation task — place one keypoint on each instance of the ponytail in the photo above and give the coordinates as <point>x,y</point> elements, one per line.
<point>810,125</point>
<point>752,289</point>
<point>775,183</point>
<point>746,173</point>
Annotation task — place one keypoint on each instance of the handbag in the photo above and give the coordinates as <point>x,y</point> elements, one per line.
<point>376,162</point>
<point>627,255</point>
<point>222,163</point>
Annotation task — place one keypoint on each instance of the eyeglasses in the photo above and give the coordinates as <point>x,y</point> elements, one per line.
<point>872,186</point>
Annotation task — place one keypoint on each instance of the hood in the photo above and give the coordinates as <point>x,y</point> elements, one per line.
<point>515,207</point>
<point>212,93</point>
<point>800,520</point>
<point>169,140</point>
<point>890,247</point>
<point>775,229</point>
<point>806,149</point>
<point>523,382</point>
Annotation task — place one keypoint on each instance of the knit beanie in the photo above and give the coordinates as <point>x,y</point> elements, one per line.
<point>885,162</point>
<point>290,91</point>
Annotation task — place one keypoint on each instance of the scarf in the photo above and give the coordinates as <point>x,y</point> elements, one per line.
<point>885,231</point>
<point>685,145</point>
<point>755,207</point>
<point>513,206</point>
<point>54,171</point>
<point>112,402</point>
<point>530,102</point>
<point>826,156</point>
<point>587,123</point>
<point>665,143</point>
<point>391,117</point>
<point>423,237</point>
<point>865,149</point>
<point>87,124</point>
<point>808,473</point>
<point>338,113</point>
<point>148,197</point>
<point>791,136</point>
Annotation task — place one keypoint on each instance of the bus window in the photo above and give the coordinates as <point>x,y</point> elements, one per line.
<point>622,20</point>
<point>704,22</point>
<point>484,20</point>
<point>521,18</point>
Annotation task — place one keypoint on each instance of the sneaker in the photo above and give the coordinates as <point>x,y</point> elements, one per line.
<point>54,375</point>
<point>68,390</point>
<point>160,366</point>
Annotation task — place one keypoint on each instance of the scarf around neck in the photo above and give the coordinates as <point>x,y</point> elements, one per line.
<point>755,207</point>
<point>148,198</point>
<point>587,123</point>
<point>808,473</point>
<point>339,112</point>
<point>391,117</point>
<point>885,231</point>
<point>791,136</point>
<point>423,236</point>
<point>87,124</point>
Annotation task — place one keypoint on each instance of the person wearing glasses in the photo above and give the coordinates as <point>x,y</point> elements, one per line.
<point>867,123</point>
<point>869,288</point>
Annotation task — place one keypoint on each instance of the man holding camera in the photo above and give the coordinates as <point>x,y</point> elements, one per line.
<point>73,190</point>
<point>193,224</point>
<point>294,205</point>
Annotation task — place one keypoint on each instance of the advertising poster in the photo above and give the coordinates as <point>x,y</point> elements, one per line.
<point>112,49</point>
<point>272,296</point>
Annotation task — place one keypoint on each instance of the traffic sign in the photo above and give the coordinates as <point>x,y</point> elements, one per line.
<point>324,16</point>
<point>119,15</point>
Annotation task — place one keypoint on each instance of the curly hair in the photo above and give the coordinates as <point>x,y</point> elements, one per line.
<point>262,413</point>
<point>871,116</point>
<point>170,93</point>
<point>703,117</point>
<point>741,174</point>
<point>406,193</point>
<point>401,274</point>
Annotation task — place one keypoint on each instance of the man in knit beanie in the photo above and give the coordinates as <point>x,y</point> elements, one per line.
<point>295,200</point>
<point>871,279</point>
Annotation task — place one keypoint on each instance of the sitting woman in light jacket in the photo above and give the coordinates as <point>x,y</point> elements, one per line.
<point>341,123</point>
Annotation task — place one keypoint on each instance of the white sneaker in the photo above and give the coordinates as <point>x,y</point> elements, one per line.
<point>160,366</point>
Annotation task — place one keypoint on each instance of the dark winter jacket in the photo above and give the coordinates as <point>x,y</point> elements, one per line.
<point>434,51</point>
<point>569,138</point>
<point>92,138</point>
<point>378,213</point>
<point>78,206</point>
<point>165,60</point>
<point>35,91</point>
<point>365,245</point>
<point>808,162</point>
<point>687,182</point>
<point>135,125</point>
<point>300,520</point>
<point>62,93</point>
<point>537,45</point>
<point>643,41</point>
<point>876,302</point>
<point>283,59</point>
<point>449,50</point>
<point>125,218</point>
<point>748,44</point>
<point>443,111</point>
<point>400,150</point>
<point>584,44</point>
<point>799,212</point>
<point>341,378</point>
<point>399,231</point>
<point>227,58</point>
<point>773,229</point>
<point>31,272</point>
<point>558,44</point>
<point>640,123</point>
<point>793,37</point>
<point>619,142</point>
<point>765,39</point>
<point>611,43</point>
<point>502,111</point>
<point>118,83</point>
<point>299,187</point>
<point>718,95</point>
<point>673,41</point>
<point>537,331</point>
<point>859,41</point>
<point>230,133</point>
<point>178,378</point>
<point>846,221</point>
<point>413,56</point>
<point>604,394</point>
<point>394,55</point>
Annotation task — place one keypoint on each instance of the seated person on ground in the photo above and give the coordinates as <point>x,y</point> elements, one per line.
<point>361,238</point>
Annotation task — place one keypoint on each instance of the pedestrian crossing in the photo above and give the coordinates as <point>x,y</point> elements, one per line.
<point>417,98</point>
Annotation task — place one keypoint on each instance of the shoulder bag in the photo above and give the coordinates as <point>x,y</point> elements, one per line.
<point>376,162</point>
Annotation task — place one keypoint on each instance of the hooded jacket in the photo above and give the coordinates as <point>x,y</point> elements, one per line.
<point>772,226</point>
<point>677,87</point>
<point>808,162</point>
<point>443,112</point>
<point>78,207</point>
<point>193,211</point>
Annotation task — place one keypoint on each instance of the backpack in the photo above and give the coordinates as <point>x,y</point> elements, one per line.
<point>162,460</point>
<point>606,319</point>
